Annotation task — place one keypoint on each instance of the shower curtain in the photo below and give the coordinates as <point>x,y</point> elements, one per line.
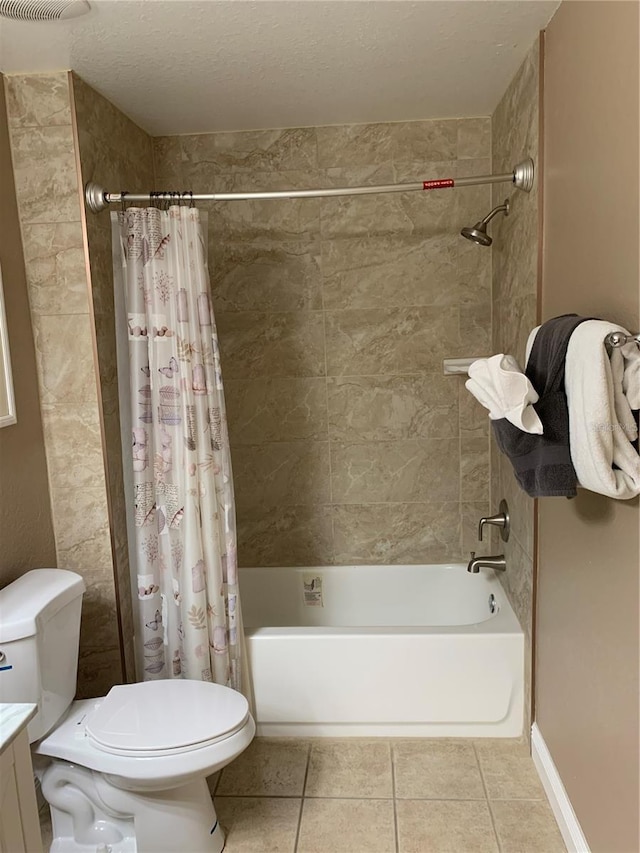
<point>180,504</point>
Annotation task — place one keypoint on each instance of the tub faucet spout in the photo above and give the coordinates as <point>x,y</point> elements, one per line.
<point>497,563</point>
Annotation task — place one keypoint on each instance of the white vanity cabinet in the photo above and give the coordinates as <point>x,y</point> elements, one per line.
<point>19,822</point>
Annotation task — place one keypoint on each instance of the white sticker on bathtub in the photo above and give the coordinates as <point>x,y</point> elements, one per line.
<point>312,591</point>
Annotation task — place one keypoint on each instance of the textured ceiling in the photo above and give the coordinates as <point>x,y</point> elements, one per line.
<point>192,66</point>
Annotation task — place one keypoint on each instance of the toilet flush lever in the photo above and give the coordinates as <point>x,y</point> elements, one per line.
<point>501,520</point>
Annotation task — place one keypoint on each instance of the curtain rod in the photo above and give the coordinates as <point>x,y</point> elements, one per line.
<point>98,199</point>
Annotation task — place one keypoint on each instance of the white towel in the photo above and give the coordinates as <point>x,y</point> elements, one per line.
<point>601,424</point>
<point>500,385</point>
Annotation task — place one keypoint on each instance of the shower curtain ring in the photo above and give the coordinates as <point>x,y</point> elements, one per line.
<point>123,201</point>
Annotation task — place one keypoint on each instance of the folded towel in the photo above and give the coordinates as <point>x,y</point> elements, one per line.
<point>500,385</point>
<point>542,463</point>
<point>602,389</point>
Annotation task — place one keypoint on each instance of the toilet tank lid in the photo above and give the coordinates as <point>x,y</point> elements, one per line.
<point>35,597</point>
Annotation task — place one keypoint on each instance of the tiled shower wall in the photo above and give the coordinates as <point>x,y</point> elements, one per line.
<point>515,307</point>
<point>42,146</point>
<point>349,445</point>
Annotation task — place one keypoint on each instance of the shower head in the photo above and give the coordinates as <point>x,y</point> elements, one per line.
<point>478,232</point>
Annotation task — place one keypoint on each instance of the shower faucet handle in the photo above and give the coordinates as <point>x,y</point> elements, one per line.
<point>500,519</point>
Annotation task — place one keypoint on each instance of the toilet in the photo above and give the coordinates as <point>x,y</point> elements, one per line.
<point>124,773</point>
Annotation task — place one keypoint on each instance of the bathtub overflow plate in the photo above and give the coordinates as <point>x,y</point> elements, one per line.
<point>493,604</point>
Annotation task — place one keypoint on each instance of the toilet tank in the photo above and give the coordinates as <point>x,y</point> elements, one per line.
<point>39,636</point>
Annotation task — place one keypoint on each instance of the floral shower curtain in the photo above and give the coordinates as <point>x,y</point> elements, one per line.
<point>182,507</point>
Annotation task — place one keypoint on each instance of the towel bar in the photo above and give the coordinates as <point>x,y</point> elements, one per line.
<point>619,339</point>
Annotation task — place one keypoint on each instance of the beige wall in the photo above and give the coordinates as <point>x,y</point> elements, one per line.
<point>348,444</point>
<point>514,307</point>
<point>113,152</point>
<point>26,530</point>
<point>587,632</point>
<point>47,189</point>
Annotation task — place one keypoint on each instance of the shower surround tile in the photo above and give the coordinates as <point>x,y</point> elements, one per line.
<point>38,100</point>
<point>286,536</point>
<point>363,272</point>
<point>390,341</point>
<point>258,344</point>
<point>396,533</point>
<point>45,174</point>
<point>334,316</point>
<point>387,408</point>
<point>56,272</point>
<point>395,471</point>
<point>291,473</point>
<point>266,410</point>
<point>278,276</point>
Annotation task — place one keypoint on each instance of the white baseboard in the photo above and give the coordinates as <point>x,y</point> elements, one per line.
<point>556,794</point>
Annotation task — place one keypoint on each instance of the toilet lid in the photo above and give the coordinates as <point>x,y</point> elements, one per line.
<point>160,716</point>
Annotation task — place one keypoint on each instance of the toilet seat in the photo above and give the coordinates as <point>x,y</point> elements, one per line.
<point>70,742</point>
<point>156,718</point>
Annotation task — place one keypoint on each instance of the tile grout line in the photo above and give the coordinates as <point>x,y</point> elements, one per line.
<point>395,806</point>
<point>304,785</point>
<point>488,801</point>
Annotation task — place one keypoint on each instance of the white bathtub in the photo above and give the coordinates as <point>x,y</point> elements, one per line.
<point>395,651</point>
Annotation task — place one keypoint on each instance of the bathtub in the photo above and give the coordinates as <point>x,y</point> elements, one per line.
<point>388,651</point>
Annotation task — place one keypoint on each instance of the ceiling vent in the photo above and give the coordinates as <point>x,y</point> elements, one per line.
<point>43,10</point>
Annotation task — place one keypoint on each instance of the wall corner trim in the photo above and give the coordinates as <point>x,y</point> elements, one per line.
<point>556,794</point>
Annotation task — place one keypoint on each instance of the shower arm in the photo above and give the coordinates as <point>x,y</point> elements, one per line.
<point>496,210</point>
<point>98,199</point>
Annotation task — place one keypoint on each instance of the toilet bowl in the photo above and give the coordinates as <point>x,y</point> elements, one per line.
<point>124,773</point>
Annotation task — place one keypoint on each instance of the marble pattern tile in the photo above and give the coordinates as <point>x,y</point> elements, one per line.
<point>354,145</point>
<point>269,767</point>
<point>526,825</point>
<point>64,353</point>
<point>98,670</point>
<point>265,150</point>
<point>395,471</point>
<point>38,100</point>
<point>346,826</point>
<point>278,276</point>
<point>471,513</point>
<point>255,344</point>
<point>452,826</point>
<point>256,220</point>
<point>474,464</point>
<point>73,444</point>
<point>389,271</point>
<point>55,267</point>
<point>45,174</point>
<point>396,533</point>
<point>436,769</point>
<point>349,769</point>
<point>474,137</point>
<point>384,215</point>
<point>167,161</point>
<point>271,409</point>
<point>424,140</point>
<point>81,527</point>
<point>259,824</point>
<point>285,536</point>
<point>283,473</point>
<point>397,340</point>
<point>386,408</point>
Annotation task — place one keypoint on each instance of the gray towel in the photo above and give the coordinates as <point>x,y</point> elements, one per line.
<point>542,463</point>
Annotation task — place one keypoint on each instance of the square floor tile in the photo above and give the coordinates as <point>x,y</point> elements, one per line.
<point>269,767</point>
<point>259,824</point>
<point>345,768</point>
<point>347,826</point>
<point>437,769</point>
<point>508,771</point>
<point>526,826</point>
<point>445,826</point>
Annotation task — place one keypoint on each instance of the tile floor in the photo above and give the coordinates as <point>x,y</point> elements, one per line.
<point>285,795</point>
